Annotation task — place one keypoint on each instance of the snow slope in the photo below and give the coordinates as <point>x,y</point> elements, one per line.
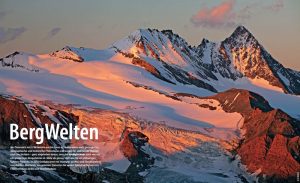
<point>103,84</point>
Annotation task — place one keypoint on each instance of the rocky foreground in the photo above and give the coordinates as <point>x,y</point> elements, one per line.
<point>269,142</point>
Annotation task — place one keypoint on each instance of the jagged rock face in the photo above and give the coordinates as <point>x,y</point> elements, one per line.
<point>239,55</point>
<point>132,147</point>
<point>248,56</point>
<point>15,60</point>
<point>288,77</point>
<point>26,116</point>
<point>271,141</point>
<point>172,54</point>
<point>13,111</point>
<point>68,53</point>
<point>132,142</point>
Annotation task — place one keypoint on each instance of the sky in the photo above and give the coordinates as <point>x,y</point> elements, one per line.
<point>43,26</point>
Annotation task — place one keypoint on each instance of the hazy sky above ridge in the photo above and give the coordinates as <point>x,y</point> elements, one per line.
<point>42,26</point>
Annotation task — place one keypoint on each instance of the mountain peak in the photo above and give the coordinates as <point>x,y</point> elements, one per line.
<point>67,48</point>
<point>204,42</point>
<point>154,43</point>
<point>132,39</point>
<point>241,30</point>
<point>69,53</point>
<point>138,34</point>
<point>241,37</point>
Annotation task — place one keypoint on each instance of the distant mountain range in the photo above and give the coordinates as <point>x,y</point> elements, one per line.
<point>239,55</point>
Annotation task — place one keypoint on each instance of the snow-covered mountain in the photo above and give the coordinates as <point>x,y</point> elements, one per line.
<point>157,78</point>
<point>238,56</point>
<point>251,60</point>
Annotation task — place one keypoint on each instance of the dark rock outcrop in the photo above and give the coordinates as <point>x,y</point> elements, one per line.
<point>271,141</point>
